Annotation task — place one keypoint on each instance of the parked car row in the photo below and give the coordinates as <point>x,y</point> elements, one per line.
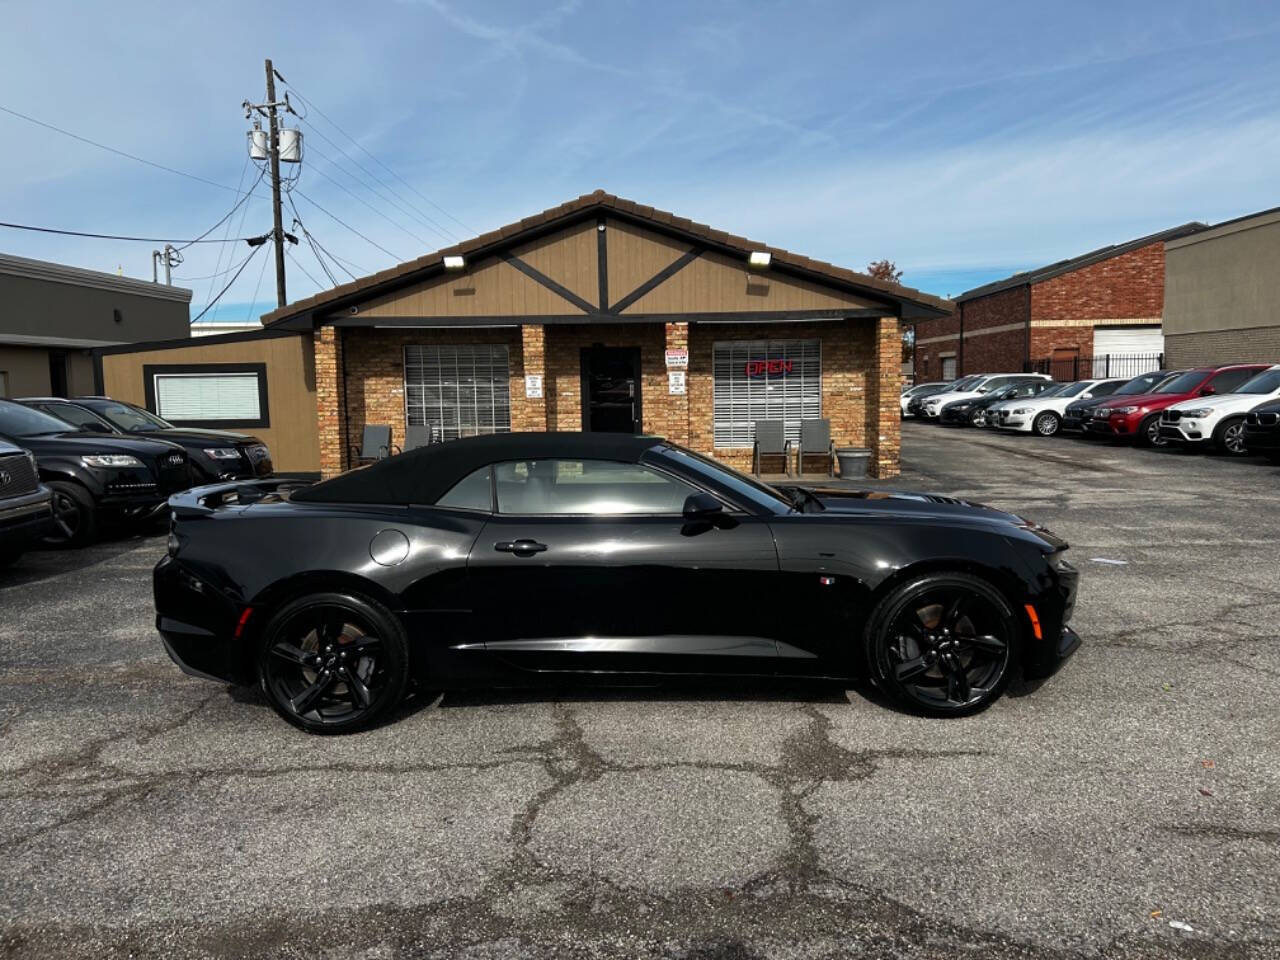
<point>1234,408</point>
<point>94,459</point>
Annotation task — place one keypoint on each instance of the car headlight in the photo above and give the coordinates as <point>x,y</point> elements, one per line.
<point>1124,409</point>
<point>110,460</point>
<point>222,453</point>
<point>1020,410</point>
<point>1202,412</point>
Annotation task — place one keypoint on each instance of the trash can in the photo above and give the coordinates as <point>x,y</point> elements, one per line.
<point>853,461</point>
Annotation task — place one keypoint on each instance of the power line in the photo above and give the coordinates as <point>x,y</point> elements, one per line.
<point>342,223</point>
<point>298,263</point>
<point>217,264</point>
<point>360,199</point>
<point>243,263</point>
<point>230,213</point>
<point>119,153</point>
<point>112,236</point>
<point>316,247</point>
<point>365,150</point>
<point>249,313</point>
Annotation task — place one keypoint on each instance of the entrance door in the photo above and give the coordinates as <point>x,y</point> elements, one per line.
<point>611,389</point>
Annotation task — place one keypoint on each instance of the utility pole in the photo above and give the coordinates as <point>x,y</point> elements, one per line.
<point>274,134</point>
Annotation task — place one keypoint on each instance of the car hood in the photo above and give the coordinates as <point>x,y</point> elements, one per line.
<point>1160,400</point>
<point>79,442</point>
<point>192,435</point>
<point>1267,406</point>
<point>1223,403</point>
<point>948,397</point>
<point>1097,402</point>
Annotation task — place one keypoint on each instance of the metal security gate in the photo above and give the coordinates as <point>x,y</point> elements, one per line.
<point>765,380</point>
<point>460,390</point>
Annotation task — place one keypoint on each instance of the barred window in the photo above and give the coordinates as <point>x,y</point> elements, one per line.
<point>765,380</point>
<point>460,390</point>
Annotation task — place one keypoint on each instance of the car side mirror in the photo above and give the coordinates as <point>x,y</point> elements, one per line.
<point>702,507</point>
<point>1207,391</point>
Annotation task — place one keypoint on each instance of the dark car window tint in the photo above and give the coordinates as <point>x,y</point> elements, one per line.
<point>1266,382</point>
<point>75,416</point>
<point>1104,389</point>
<point>1144,384</point>
<point>1183,384</point>
<point>19,421</point>
<point>1227,381</point>
<point>472,492</point>
<point>131,419</point>
<point>596,487</point>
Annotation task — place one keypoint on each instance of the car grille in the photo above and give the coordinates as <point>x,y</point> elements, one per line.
<point>1262,419</point>
<point>21,476</point>
<point>1171,416</point>
<point>173,471</point>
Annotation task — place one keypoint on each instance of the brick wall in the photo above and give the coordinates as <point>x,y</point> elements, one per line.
<point>934,339</point>
<point>1218,347</point>
<point>861,373</point>
<point>1130,285</point>
<point>995,332</point>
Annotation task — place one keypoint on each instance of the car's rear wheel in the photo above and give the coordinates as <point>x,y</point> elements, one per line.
<point>944,644</point>
<point>1149,432</point>
<point>333,662</point>
<point>75,518</point>
<point>1229,437</point>
<point>1047,423</point>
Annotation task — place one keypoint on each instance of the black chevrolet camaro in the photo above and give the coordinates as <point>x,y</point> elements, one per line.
<point>514,559</point>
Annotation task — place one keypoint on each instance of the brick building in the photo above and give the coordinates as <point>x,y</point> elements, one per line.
<point>1096,313</point>
<point>605,315</point>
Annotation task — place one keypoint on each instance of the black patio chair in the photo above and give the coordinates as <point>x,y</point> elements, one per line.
<point>419,436</point>
<point>375,445</point>
<point>815,441</point>
<point>770,441</point>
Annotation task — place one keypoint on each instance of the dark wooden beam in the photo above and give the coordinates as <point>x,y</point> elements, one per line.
<point>602,261</point>
<point>539,277</point>
<point>659,278</point>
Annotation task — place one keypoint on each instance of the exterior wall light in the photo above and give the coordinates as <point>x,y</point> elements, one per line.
<point>454,263</point>
<point>759,259</point>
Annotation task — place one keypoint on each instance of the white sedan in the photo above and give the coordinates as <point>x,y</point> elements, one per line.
<point>975,387</point>
<point>1043,414</point>
<point>1219,420</point>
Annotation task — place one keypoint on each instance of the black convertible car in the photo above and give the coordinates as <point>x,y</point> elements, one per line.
<point>514,558</point>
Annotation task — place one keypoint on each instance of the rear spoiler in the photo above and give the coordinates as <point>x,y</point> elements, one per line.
<point>202,501</point>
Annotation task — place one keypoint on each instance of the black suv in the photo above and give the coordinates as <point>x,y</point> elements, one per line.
<point>1262,430</point>
<point>94,475</point>
<point>214,454</point>
<point>24,503</point>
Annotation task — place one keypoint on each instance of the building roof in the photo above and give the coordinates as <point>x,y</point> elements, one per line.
<point>77,276</point>
<point>1041,274</point>
<point>913,302</point>
<point>1235,225</point>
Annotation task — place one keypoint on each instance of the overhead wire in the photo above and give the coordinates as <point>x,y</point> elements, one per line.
<point>252,303</point>
<point>351,193</point>
<point>230,213</point>
<point>114,236</point>
<point>348,226</point>
<point>316,247</point>
<point>298,263</point>
<point>243,263</point>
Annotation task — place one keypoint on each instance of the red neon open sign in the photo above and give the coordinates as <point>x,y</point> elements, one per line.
<point>777,368</point>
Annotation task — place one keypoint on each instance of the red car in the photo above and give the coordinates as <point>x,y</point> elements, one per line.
<point>1139,417</point>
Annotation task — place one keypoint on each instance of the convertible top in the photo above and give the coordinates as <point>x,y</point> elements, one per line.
<point>426,474</point>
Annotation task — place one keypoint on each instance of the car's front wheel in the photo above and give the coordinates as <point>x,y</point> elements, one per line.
<point>978,418</point>
<point>75,518</point>
<point>1149,432</point>
<point>1047,423</point>
<point>333,662</point>
<point>1229,437</point>
<point>944,644</point>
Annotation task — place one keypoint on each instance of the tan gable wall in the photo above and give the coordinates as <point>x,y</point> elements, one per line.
<point>489,289</point>
<point>714,283</point>
<point>570,258</point>
<point>635,255</point>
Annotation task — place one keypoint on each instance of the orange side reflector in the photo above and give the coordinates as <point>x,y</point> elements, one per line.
<point>1031,612</point>
<point>244,618</point>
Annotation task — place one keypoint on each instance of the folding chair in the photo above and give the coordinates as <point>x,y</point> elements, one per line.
<point>770,441</point>
<point>815,441</point>
<point>375,445</point>
<point>415,436</point>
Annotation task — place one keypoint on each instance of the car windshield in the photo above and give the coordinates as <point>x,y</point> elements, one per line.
<point>1143,384</point>
<point>754,491</point>
<point>77,417</point>
<point>1071,389</point>
<point>1054,391</point>
<point>1268,381</point>
<point>131,419</point>
<point>1182,384</point>
<point>961,385</point>
<point>19,421</point>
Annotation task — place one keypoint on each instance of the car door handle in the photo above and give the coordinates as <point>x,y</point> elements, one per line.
<point>521,548</point>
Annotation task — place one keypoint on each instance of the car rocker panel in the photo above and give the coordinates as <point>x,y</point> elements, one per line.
<point>333,596</point>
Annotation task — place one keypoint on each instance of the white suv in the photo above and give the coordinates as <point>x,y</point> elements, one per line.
<point>980,386</point>
<point>1043,414</point>
<point>1219,419</point>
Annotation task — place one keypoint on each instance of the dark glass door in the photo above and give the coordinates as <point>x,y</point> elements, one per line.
<point>611,389</point>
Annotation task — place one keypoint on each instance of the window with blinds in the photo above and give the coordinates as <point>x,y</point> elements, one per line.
<point>460,390</point>
<point>207,397</point>
<point>765,380</point>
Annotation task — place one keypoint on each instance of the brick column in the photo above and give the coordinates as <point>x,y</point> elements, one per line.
<point>331,407</point>
<point>884,380</point>
<point>533,410</point>
<point>676,420</point>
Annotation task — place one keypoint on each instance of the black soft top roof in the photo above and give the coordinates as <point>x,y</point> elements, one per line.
<point>426,474</point>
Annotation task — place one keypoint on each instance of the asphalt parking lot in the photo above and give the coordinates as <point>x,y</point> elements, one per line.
<point>144,813</point>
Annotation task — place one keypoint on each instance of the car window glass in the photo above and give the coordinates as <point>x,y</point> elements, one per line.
<point>19,421</point>
<point>1072,389</point>
<point>131,419</point>
<point>1182,384</point>
<point>595,487</point>
<point>472,492</point>
<point>1228,380</point>
<point>1104,389</point>
<point>1266,382</point>
<point>74,415</point>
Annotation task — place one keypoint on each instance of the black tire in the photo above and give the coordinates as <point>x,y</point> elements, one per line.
<point>75,516</point>
<point>924,648</point>
<point>1228,438</point>
<point>1046,424</point>
<point>309,677</point>
<point>978,418</point>
<point>1149,433</point>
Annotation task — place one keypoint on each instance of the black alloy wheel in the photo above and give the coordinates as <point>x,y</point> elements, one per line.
<point>74,515</point>
<point>944,645</point>
<point>1149,432</point>
<point>333,663</point>
<point>978,418</point>
<point>1046,424</point>
<point>1229,437</point>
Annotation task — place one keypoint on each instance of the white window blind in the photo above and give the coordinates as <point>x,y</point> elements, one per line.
<point>460,390</point>
<point>765,380</point>
<point>207,396</point>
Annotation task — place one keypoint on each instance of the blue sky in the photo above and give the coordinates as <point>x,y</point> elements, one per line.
<point>962,140</point>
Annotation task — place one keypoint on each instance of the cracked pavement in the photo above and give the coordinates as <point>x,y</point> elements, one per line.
<point>147,814</point>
